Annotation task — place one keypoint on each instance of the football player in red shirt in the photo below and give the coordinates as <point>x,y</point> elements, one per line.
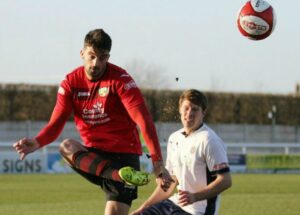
<point>107,106</point>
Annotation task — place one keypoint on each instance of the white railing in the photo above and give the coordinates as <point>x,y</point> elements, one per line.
<point>48,159</point>
<point>269,148</point>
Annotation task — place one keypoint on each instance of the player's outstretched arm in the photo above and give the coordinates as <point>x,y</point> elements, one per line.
<point>26,146</point>
<point>143,119</point>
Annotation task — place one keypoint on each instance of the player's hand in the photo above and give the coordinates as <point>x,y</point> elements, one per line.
<point>164,178</point>
<point>185,198</point>
<point>26,146</point>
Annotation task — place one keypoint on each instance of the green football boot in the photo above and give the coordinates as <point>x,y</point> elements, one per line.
<point>133,177</point>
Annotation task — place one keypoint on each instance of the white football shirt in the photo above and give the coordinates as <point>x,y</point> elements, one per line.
<point>195,160</point>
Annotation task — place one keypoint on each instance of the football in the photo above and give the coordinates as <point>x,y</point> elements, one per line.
<point>256,19</point>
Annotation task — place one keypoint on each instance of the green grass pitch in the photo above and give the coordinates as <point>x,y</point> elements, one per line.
<point>66,194</point>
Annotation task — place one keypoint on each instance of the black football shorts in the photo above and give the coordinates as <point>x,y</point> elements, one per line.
<point>115,191</point>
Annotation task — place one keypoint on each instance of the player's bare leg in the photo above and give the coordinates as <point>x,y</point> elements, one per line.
<point>68,148</point>
<point>77,156</point>
<point>116,208</point>
<point>80,158</point>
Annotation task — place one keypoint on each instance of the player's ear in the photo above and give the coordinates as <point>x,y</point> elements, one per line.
<point>81,53</point>
<point>180,110</point>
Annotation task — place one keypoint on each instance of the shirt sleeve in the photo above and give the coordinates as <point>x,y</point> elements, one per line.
<point>128,91</point>
<point>133,102</point>
<point>216,157</point>
<point>141,116</point>
<point>60,114</point>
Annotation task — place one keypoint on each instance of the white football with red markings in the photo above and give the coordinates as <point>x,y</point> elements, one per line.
<point>256,19</point>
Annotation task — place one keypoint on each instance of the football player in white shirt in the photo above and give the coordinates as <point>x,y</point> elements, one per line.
<point>197,161</point>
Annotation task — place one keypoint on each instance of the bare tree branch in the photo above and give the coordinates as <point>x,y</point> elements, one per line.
<point>148,76</point>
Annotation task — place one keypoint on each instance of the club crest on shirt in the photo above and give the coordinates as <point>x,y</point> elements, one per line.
<point>193,150</point>
<point>103,91</point>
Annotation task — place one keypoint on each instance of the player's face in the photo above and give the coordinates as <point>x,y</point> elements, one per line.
<point>94,62</point>
<point>191,116</point>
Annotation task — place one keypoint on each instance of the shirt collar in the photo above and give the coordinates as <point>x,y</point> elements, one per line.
<point>185,134</point>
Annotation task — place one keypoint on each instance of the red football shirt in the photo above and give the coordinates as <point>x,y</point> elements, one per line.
<point>100,111</point>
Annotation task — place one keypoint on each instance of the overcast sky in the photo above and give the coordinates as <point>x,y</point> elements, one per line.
<point>194,40</point>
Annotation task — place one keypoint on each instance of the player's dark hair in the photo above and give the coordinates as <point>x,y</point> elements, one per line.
<point>98,39</point>
<point>194,96</point>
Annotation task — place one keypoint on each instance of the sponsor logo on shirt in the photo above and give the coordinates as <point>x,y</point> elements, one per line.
<point>103,91</point>
<point>220,166</point>
<point>97,108</point>
<point>95,115</point>
<point>130,84</point>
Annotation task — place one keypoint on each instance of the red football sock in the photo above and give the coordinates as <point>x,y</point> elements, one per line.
<point>89,162</point>
<point>92,163</point>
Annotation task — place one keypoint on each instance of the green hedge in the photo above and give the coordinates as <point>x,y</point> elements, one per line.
<point>35,102</point>
<point>229,107</point>
<point>26,102</point>
<point>273,161</point>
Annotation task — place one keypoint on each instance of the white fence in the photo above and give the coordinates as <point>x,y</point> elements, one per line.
<point>48,160</point>
<point>263,148</point>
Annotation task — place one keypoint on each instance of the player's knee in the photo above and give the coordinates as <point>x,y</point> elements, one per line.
<point>66,146</point>
<point>70,146</point>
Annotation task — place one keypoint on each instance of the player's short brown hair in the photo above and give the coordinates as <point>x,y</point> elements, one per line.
<point>194,96</point>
